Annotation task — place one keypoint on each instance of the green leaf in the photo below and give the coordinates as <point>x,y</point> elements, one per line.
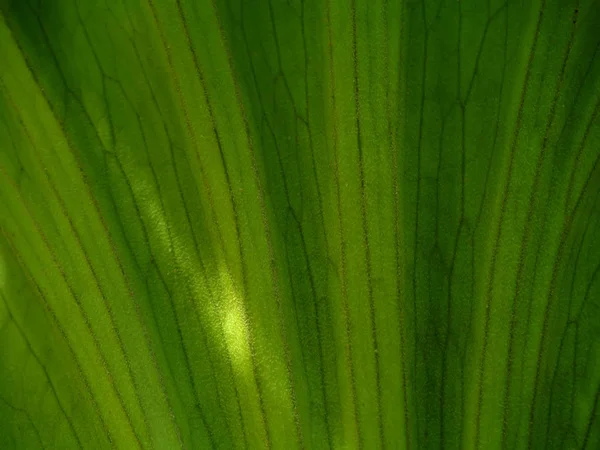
<point>300,224</point>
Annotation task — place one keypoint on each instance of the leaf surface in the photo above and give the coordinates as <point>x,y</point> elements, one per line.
<point>300,224</point>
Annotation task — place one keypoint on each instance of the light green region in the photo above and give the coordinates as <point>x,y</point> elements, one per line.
<point>300,224</point>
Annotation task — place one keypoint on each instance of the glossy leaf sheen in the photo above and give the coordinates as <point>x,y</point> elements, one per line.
<point>300,224</point>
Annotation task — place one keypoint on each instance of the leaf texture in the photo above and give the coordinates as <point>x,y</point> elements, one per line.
<point>369,224</point>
